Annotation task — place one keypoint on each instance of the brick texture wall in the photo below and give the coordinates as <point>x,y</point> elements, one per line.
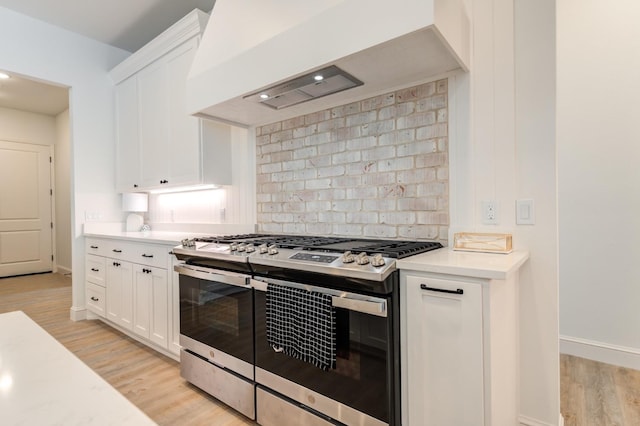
<point>374,168</point>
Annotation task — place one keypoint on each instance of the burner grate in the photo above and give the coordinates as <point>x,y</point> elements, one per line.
<point>399,250</point>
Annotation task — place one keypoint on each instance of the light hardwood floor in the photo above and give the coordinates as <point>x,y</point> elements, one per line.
<point>592,393</point>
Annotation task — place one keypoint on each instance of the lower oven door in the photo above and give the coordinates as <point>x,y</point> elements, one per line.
<point>359,389</point>
<point>216,317</point>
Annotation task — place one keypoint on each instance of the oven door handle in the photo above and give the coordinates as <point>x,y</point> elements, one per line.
<point>218,276</point>
<point>340,299</point>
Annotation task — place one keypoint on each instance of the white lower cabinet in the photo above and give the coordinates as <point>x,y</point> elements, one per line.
<point>130,286</point>
<point>444,352</point>
<point>151,307</point>
<point>459,359</point>
<point>119,295</point>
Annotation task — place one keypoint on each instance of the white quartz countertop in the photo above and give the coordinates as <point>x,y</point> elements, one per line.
<point>42,383</point>
<point>155,237</point>
<point>468,264</point>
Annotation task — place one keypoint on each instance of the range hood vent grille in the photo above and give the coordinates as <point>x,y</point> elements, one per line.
<point>310,86</point>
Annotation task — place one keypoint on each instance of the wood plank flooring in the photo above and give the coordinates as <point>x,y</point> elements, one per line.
<point>592,393</point>
<point>148,379</point>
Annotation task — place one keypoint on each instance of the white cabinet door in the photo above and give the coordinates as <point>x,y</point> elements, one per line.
<point>444,353</point>
<point>154,124</point>
<point>127,144</point>
<point>159,331</point>
<point>150,298</point>
<point>119,283</point>
<point>184,152</point>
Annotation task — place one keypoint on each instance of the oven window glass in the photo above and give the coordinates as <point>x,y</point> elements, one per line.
<point>218,315</point>
<point>360,379</point>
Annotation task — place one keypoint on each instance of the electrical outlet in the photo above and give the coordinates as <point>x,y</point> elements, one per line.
<point>489,212</point>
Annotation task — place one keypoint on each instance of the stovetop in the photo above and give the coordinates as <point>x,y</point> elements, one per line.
<point>369,259</point>
<point>397,249</point>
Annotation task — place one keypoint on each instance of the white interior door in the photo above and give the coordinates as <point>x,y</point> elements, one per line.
<point>25,209</point>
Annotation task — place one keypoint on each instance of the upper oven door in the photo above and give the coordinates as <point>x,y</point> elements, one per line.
<point>216,309</point>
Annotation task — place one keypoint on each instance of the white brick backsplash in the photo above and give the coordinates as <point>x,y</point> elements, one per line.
<point>294,228</point>
<point>416,175</point>
<point>331,194</point>
<point>345,157</point>
<point>320,228</point>
<point>319,207</point>
<point>332,147</point>
<point>378,102</point>
<point>415,148</point>
<point>362,217</point>
<point>294,165</point>
<point>362,118</point>
<point>378,127</point>
<point>372,168</point>
<point>346,205</point>
<point>331,171</point>
<point>317,138</point>
<point>362,192</point>
<point>347,229</point>
<point>295,185</point>
<point>270,168</point>
<point>398,218</point>
<point>307,152</point>
<point>400,163</point>
<point>381,153</point>
<point>381,231</point>
<point>320,161</point>
<point>379,205</point>
<point>318,184</point>
<point>331,217</point>
<point>361,143</point>
<point>344,110</point>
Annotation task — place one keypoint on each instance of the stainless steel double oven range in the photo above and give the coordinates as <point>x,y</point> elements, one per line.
<point>293,330</point>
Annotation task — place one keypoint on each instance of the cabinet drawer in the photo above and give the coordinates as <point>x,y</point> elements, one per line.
<point>95,299</point>
<point>95,269</point>
<point>119,249</point>
<point>150,254</point>
<point>96,246</point>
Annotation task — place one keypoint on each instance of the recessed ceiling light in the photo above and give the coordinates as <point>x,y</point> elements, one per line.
<point>318,77</point>
<point>264,96</point>
<point>4,76</point>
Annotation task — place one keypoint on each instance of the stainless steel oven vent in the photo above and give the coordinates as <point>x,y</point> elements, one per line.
<point>305,88</point>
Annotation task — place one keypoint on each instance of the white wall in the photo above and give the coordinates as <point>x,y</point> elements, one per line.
<point>503,149</point>
<point>598,187</point>
<point>27,127</point>
<point>33,48</point>
<point>62,194</point>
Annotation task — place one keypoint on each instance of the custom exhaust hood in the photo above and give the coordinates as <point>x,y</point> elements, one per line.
<point>266,61</point>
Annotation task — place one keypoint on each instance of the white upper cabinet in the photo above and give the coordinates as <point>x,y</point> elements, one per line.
<point>159,144</point>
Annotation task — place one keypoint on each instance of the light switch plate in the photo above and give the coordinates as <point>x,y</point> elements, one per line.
<point>525,212</point>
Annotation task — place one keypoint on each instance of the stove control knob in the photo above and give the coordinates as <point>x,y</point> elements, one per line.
<point>273,249</point>
<point>242,247</point>
<point>250,248</point>
<point>377,260</point>
<point>188,243</point>
<point>233,247</point>
<point>347,257</point>
<point>362,259</point>
<point>263,248</point>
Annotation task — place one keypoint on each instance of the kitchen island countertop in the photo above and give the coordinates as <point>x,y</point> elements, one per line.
<point>42,383</point>
<point>467,264</point>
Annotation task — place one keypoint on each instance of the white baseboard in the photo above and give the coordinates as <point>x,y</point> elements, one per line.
<point>601,352</point>
<point>529,421</point>
<point>62,270</point>
<point>78,314</point>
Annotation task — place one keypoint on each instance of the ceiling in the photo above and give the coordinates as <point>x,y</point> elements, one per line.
<point>125,24</point>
